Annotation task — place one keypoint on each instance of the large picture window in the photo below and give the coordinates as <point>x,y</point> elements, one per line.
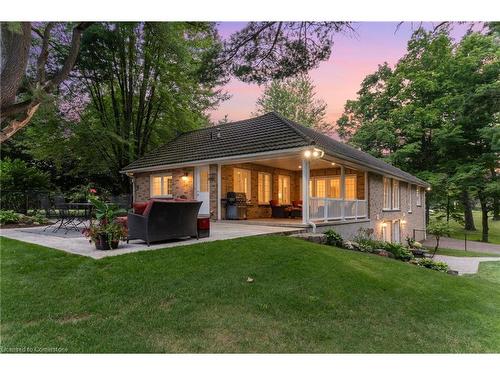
<point>242,181</point>
<point>284,189</point>
<point>264,188</point>
<point>161,185</point>
<point>350,187</point>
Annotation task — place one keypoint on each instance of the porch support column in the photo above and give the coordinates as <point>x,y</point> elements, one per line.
<point>305,191</point>
<point>342,192</point>
<point>219,189</point>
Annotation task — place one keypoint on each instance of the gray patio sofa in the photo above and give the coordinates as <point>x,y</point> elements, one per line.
<point>165,220</point>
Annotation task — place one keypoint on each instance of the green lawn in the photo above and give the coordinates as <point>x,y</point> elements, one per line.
<point>462,253</point>
<point>305,298</point>
<point>457,230</point>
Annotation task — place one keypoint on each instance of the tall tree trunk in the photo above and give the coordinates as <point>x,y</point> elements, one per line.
<point>484,217</point>
<point>468,218</point>
<point>496,209</point>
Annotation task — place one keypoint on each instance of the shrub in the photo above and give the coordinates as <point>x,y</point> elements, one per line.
<point>432,264</point>
<point>9,217</point>
<point>333,238</point>
<point>399,251</point>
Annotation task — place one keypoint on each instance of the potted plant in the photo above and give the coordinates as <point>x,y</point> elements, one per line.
<point>106,233</point>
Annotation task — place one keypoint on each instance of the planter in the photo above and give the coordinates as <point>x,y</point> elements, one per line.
<point>102,243</point>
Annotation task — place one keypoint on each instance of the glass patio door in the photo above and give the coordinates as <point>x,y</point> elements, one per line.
<point>202,191</point>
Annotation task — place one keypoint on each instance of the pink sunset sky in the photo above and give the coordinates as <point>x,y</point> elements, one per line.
<point>337,79</point>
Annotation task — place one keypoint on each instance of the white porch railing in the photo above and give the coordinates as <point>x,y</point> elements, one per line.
<point>337,209</point>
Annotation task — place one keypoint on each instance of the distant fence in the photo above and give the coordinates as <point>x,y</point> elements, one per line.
<point>23,200</point>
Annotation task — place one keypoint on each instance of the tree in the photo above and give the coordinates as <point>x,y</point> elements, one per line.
<point>295,99</point>
<point>30,90</point>
<point>438,228</point>
<point>259,52</point>
<point>428,114</point>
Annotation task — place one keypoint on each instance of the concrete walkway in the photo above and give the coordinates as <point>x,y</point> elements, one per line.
<point>75,243</point>
<point>453,243</point>
<point>464,265</point>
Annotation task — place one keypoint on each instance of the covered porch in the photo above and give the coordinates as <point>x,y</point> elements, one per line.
<point>322,188</point>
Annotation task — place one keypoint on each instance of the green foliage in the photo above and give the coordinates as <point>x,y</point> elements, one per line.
<point>105,212</point>
<point>399,251</point>
<point>18,175</point>
<point>333,238</point>
<point>295,99</point>
<point>9,217</point>
<point>438,228</point>
<point>435,114</point>
<point>432,264</point>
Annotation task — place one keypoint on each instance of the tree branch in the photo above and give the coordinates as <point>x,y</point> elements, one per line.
<point>17,125</point>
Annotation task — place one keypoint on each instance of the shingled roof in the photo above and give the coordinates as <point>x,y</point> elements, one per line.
<point>269,132</point>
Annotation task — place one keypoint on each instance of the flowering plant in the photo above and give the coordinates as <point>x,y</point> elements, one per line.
<point>106,231</point>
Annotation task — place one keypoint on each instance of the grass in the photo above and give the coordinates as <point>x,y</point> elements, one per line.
<point>462,253</point>
<point>457,229</point>
<point>305,298</point>
<point>489,271</point>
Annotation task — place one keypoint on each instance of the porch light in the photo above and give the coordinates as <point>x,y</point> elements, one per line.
<point>403,222</point>
<point>130,174</point>
<point>315,153</point>
<point>384,225</point>
<point>185,177</point>
<point>307,153</point>
<point>429,188</point>
<point>300,166</point>
<point>333,163</point>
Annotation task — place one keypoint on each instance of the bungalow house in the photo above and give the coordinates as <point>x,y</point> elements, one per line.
<point>270,158</point>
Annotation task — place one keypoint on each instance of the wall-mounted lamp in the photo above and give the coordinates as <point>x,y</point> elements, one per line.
<point>307,153</point>
<point>185,177</point>
<point>429,188</point>
<point>130,174</point>
<point>300,166</point>
<point>403,222</point>
<point>384,225</point>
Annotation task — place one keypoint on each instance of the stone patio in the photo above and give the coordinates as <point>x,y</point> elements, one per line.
<point>74,242</point>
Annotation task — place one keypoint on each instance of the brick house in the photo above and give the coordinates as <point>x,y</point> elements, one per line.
<point>272,158</point>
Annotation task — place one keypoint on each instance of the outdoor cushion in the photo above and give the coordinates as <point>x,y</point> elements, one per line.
<point>139,207</point>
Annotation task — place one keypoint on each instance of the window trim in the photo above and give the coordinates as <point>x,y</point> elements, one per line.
<point>249,193</point>
<point>162,175</point>
<point>264,202</point>
<point>389,207</point>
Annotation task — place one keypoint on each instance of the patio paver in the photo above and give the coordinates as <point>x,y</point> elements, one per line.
<point>78,244</point>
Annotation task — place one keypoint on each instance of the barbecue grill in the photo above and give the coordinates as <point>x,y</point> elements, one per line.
<point>236,206</point>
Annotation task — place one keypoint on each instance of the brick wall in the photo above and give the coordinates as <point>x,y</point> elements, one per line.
<point>414,220</point>
<point>254,210</point>
<point>179,186</point>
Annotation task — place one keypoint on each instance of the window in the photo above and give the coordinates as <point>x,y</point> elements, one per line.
<point>419,197</point>
<point>350,187</point>
<point>242,181</point>
<point>409,197</point>
<point>264,188</point>
<point>386,231</point>
<point>284,189</point>
<point>334,187</point>
<point>321,188</point>
<point>387,193</point>
<point>161,185</point>
<point>395,194</point>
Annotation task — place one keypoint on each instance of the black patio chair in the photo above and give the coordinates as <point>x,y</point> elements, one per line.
<point>164,220</point>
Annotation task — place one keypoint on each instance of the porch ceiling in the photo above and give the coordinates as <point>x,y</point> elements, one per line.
<point>293,163</point>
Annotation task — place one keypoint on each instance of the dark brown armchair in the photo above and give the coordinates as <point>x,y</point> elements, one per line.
<point>164,220</point>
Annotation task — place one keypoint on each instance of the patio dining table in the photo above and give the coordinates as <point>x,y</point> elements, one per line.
<point>73,215</point>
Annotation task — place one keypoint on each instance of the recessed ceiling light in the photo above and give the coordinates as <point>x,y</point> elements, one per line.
<point>333,163</point>
<point>300,166</point>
